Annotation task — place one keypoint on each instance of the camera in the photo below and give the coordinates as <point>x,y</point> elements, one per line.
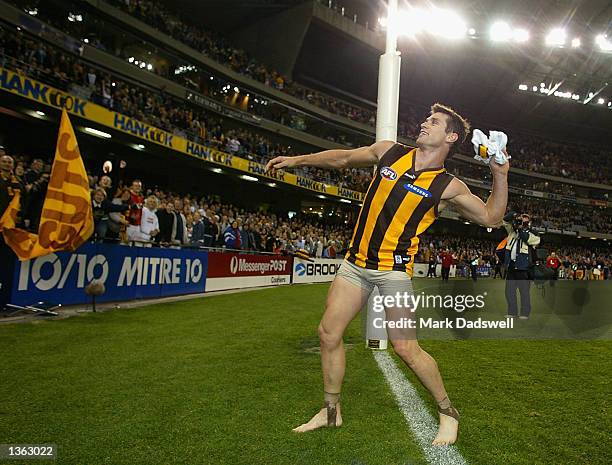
<point>520,222</point>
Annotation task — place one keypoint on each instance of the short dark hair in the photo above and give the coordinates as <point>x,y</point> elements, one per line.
<point>454,123</point>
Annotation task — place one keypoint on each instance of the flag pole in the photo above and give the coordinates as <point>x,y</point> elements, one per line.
<point>386,129</point>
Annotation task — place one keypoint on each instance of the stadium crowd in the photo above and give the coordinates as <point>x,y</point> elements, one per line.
<point>534,154</point>
<point>568,262</point>
<point>530,153</point>
<point>65,72</point>
<point>131,213</point>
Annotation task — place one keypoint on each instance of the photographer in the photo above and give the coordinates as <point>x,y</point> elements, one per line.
<point>517,261</point>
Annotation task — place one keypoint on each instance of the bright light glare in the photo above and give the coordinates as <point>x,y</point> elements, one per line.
<point>437,21</point>
<point>556,37</point>
<point>523,87</point>
<point>520,35</point>
<point>600,101</point>
<point>447,24</point>
<point>603,42</point>
<point>246,177</point>
<point>576,42</point>
<point>500,32</point>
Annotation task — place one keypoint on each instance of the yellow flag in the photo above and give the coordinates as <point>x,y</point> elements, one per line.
<point>67,218</point>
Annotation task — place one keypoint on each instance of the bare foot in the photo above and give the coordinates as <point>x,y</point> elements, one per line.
<point>319,421</point>
<point>447,433</point>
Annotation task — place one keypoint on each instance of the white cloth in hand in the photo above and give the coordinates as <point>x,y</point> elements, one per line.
<point>492,147</point>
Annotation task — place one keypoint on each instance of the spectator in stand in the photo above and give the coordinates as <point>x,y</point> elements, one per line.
<point>198,231</point>
<point>118,222</point>
<point>231,236</point>
<point>179,225</point>
<point>149,224</point>
<point>165,218</point>
<point>101,208</point>
<point>9,184</point>
<point>136,203</point>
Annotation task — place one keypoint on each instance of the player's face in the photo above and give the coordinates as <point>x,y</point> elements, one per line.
<point>433,131</point>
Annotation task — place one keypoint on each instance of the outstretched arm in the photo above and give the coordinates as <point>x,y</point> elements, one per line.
<point>334,159</point>
<point>471,207</point>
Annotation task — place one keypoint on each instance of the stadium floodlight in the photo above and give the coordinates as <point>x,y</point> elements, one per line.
<point>600,101</point>
<point>435,21</point>
<point>236,90</point>
<point>520,35</point>
<point>471,31</point>
<point>345,201</point>
<point>33,11</point>
<point>272,184</point>
<point>576,42</point>
<point>216,170</point>
<point>97,133</point>
<point>603,42</point>
<point>321,196</point>
<point>523,87</point>
<point>446,23</point>
<point>150,67</point>
<point>556,37</point>
<point>246,177</point>
<point>500,32</point>
<point>534,88</point>
<point>140,146</point>
<point>131,59</point>
<point>86,40</point>
<point>40,113</point>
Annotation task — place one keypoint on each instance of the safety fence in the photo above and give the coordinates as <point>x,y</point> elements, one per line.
<point>130,273</point>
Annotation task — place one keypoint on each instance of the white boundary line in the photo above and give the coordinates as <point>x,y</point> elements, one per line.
<point>421,423</point>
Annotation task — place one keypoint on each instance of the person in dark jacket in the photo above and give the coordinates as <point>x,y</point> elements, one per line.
<point>517,262</point>
<point>101,208</point>
<point>198,232</point>
<point>165,216</point>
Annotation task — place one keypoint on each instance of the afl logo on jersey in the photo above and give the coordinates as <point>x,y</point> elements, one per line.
<point>388,173</point>
<point>417,190</point>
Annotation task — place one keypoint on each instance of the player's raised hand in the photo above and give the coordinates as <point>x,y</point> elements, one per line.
<point>278,163</point>
<point>496,168</point>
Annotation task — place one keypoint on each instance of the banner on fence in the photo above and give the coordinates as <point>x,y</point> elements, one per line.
<point>128,273</point>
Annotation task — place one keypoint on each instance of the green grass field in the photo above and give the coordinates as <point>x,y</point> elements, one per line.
<point>223,379</point>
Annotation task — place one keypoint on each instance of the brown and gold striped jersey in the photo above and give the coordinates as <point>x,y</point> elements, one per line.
<point>400,204</point>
